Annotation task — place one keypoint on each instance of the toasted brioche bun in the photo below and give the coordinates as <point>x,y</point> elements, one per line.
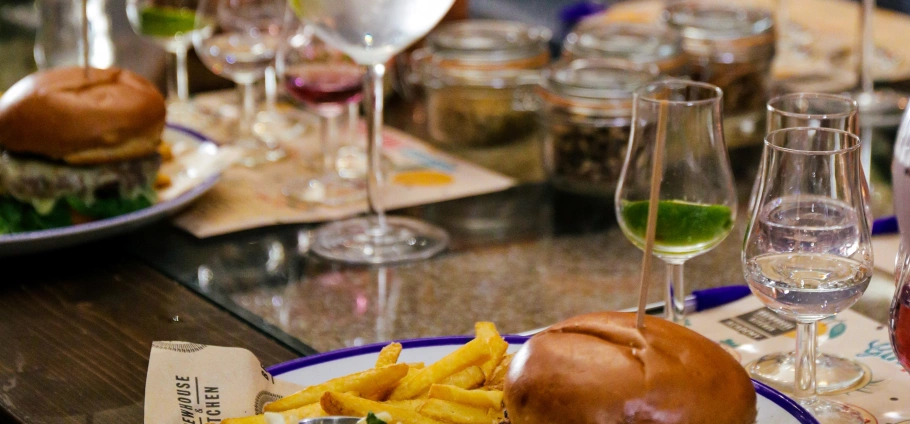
<point>113,115</point>
<point>599,369</point>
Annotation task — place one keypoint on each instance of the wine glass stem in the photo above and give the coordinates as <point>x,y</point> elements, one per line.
<point>676,294</point>
<point>804,387</point>
<point>373,96</point>
<point>247,109</point>
<point>867,45</point>
<point>271,88</point>
<point>183,84</point>
<point>328,134</point>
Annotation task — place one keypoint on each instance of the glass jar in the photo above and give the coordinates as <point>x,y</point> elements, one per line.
<point>732,48</point>
<point>637,43</point>
<point>586,120</point>
<point>477,78</point>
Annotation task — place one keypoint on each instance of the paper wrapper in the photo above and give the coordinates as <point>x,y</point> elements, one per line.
<point>416,174</point>
<point>194,383</point>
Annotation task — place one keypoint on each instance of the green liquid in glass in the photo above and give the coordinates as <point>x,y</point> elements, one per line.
<point>166,21</point>
<point>681,226</point>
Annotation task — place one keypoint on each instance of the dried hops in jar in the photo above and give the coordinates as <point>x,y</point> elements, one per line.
<point>633,42</point>
<point>586,114</point>
<point>732,48</point>
<point>477,77</point>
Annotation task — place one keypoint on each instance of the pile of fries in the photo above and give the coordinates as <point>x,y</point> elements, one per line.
<point>464,387</point>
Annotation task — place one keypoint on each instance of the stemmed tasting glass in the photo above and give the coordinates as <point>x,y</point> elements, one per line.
<point>326,80</point>
<point>808,253</point>
<point>834,373</point>
<point>238,39</point>
<point>170,24</point>
<point>371,32</point>
<point>697,204</point>
<point>899,324</point>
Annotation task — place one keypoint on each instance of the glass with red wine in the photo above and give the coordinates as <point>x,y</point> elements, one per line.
<point>900,310</point>
<point>325,81</point>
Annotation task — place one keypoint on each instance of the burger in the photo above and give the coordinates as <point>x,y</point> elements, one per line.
<point>77,147</point>
<point>599,369</point>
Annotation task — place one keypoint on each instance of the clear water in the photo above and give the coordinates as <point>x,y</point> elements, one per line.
<point>808,223</point>
<point>807,286</point>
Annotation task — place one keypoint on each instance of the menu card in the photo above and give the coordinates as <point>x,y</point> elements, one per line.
<point>415,174</point>
<point>752,331</point>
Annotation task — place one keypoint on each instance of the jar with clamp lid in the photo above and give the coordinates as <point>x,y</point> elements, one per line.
<point>634,42</point>
<point>477,80</point>
<point>586,118</point>
<point>732,48</point>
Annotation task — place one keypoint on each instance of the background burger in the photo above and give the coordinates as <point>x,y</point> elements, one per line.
<point>599,369</point>
<point>74,148</point>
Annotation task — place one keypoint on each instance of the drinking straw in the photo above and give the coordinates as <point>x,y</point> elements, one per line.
<point>656,178</point>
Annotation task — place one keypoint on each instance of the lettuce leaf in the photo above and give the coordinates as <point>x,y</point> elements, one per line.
<point>372,419</point>
<point>16,216</point>
<point>110,207</point>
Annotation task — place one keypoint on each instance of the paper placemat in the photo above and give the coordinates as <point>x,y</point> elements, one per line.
<point>416,174</point>
<point>753,330</point>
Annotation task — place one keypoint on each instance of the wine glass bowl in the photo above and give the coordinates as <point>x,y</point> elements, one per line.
<point>697,201</point>
<point>326,81</point>
<point>807,253</point>
<point>899,323</point>
<point>171,25</point>
<point>238,40</point>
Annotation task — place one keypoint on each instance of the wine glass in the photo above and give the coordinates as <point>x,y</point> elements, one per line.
<point>808,253</point>
<point>834,373</point>
<point>697,205</point>
<point>325,80</point>
<point>371,32</point>
<point>170,24</point>
<point>238,39</point>
<point>899,324</point>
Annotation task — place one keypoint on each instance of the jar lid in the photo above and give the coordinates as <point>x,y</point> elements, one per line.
<point>725,33</point>
<point>596,84</point>
<point>636,42</point>
<point>490,44</point>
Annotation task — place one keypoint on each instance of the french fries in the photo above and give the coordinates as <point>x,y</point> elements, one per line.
<point>388,355</point>
<point>468,378</point>
<point>464,387</point>
<point>485,399</point>
<point>474,352</point>
<point>342,404</point>
<point>451,412</point>
<point>487,332</point>
<point>370,381</point>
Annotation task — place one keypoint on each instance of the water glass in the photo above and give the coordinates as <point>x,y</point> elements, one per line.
<point>807,253</point>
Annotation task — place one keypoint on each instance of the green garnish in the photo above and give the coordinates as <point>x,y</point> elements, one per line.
<point>372,419</point>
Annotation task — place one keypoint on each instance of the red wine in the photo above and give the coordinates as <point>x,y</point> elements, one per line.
<point>319,84</point>
<point>900,327</point>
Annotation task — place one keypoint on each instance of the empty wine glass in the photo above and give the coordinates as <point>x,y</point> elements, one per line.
<point>170,24</point>
<point>326,80</point>
<point>238,39</point>
<point>807,253</point>
<point>371,32</point>
<point>834,373</point>
<point>697,205</point>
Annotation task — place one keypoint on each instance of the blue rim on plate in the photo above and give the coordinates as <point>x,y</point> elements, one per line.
<point>52,238</point>
<point>761,389</point>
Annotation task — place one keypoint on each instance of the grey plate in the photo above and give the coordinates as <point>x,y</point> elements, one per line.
<point>55,238</point>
